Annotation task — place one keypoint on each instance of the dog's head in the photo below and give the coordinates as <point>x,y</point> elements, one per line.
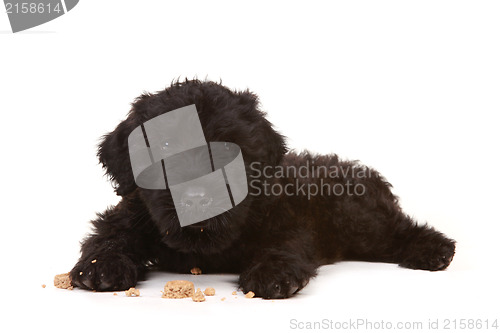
<point>225,116</point>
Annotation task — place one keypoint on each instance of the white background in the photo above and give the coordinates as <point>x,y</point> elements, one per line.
<point>410,88</point>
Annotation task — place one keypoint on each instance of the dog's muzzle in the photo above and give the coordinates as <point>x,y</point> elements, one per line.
<point>170,151</point>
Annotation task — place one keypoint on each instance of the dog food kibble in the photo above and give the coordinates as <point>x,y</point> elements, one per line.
<point>63,281</point>
<point>250,294</point>
<point>43,286</point>
<point>132,292</point>
<point>209,291</point>
<point>178,289</point>
<point>234,293</point>
<point>223,299</point>
<point>196,271</point>
<point>198,296</point>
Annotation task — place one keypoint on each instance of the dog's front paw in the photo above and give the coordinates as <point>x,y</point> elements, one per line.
<point>105,272</point>
<point>276,279</point>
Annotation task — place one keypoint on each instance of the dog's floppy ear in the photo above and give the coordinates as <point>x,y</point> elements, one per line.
<point>114,156</point>
<point>269,146</point>
<point>275,144</point>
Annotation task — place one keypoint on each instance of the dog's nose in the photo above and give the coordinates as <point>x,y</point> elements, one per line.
<point>196,197</point>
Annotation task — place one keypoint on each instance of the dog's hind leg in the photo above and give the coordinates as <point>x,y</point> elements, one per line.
<point>399,239</point>
<point>420,246</point>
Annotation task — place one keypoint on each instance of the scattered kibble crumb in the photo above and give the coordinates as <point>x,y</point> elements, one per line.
<point>114,294</point>
<point>250,294</point>
<point>233,293</point>
<point>63,281</point>
<point>43,286</point>
<point>178,289</point>
<point>209,291</point>
<point>223,299</point>
<point>132,292</point>
<point>198,296</point>
<point>196,271</point>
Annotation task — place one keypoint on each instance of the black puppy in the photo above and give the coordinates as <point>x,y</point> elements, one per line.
<point>302,210</point>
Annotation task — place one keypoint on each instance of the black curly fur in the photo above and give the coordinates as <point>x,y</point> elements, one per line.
<point>275,242</point>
